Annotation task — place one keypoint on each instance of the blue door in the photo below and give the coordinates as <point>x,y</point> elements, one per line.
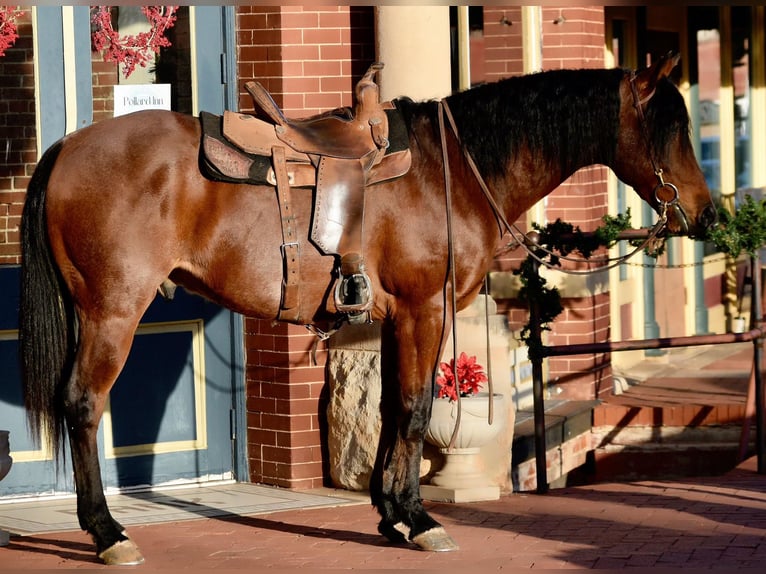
<point>176,411</point>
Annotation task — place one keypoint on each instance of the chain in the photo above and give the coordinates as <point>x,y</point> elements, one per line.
<point>679,266</point>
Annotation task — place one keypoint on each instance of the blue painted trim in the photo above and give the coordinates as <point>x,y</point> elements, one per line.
<point>50,63</point>
<point>701,325</point>
<point>52,95</point>
<point>218,90</point>
<point>239,396</point>
<point>10,283</point>
<point>208,29</point>
<point>231,88</point>
<point>84,67</point>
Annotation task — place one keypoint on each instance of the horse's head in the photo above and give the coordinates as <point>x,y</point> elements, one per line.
<point>655,154</point>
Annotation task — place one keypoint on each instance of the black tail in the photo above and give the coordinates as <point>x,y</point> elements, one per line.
<point>46,337</point>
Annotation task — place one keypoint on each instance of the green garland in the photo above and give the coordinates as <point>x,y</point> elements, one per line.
<point>745,231</point>
<point>565,239</point>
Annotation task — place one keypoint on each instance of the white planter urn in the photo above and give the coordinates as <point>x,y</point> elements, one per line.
<point>462,478</point>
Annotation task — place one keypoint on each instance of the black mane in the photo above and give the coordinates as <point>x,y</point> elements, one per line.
<point>567,118</point>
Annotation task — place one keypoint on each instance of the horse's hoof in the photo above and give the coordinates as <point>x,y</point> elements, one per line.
<point>435,540</point>
<point>123,553</point>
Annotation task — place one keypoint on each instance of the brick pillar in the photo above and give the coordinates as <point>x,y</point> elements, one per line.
<point>308,58</point>
<point>504,55</point>
<point>284,406</point>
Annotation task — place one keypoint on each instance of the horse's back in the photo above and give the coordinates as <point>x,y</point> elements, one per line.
<point>145,136</point>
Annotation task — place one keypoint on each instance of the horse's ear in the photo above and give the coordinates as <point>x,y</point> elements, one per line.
<point>646,79</point>
<point>665,65</point>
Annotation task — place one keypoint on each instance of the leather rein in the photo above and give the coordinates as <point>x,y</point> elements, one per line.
<point>520,237</point>
<point>533,248</point>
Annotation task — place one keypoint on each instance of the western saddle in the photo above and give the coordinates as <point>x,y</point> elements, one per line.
<point>340,153</point>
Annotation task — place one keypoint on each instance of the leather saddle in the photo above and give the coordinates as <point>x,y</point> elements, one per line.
<point>339,153</point>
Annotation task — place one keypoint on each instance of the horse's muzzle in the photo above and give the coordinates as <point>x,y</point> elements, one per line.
<point>692,228</point>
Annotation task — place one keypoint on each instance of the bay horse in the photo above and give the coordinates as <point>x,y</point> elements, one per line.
<point>117,209</point>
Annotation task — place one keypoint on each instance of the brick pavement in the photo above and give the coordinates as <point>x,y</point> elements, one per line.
<point>717,522</point>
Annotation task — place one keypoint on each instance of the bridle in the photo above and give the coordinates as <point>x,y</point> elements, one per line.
<point>531,246</point>
<point>662,185</point>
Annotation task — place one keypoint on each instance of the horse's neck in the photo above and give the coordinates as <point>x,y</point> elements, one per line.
<point>529,134</point>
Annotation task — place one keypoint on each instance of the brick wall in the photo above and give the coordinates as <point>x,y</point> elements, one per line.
<point>575,42</point>
<point>17,136</point>
<point>559,461</point>
<point>105,77</point>
<point>309,59</point>
<point>502,42</point>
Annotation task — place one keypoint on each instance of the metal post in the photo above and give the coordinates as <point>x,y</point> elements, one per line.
<point>463,48</point>
<point>535,344</point>
<point>755,320</point>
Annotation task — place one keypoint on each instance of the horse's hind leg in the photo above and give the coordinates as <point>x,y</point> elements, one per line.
<point>409,351</point>
<point>102,351</point>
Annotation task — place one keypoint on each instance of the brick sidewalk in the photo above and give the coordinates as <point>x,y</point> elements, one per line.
<point>694,523</point>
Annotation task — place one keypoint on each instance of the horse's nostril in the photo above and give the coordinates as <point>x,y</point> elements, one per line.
<point>708,216</point>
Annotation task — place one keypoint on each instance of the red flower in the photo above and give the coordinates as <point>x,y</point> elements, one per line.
<point>470,377</point>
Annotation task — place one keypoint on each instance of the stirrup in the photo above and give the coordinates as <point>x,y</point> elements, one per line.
<point>353,293</point>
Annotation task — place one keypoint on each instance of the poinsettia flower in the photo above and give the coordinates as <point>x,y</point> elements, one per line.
<point>470,374</point>
<point>470,378</point>
<point>446,382</point>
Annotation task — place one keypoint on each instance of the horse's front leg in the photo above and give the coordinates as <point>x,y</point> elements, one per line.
<point>410,347</point>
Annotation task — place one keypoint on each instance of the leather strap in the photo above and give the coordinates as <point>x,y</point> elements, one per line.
<point>289,308</point>
<point>443,109</point>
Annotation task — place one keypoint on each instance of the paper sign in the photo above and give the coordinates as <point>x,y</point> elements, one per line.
<point>133,97</point>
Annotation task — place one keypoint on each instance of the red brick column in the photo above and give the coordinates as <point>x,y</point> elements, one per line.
<point>503,52</point>
<point>284,410</point>
<point>308,58</point>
